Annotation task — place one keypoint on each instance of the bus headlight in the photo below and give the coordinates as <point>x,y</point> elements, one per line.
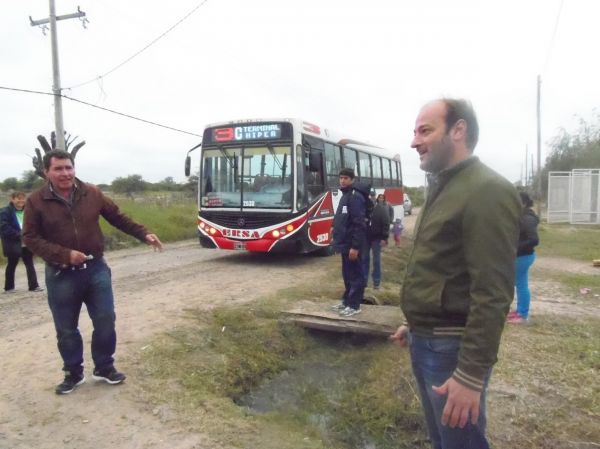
<point>212,231</point>
<point>289,228</point>
<point>275,234</point>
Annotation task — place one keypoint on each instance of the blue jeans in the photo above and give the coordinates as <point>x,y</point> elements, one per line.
<point>433,362</point>
<point>375,248</point>
<point>354,281</point>
<point>68,290</point>
<point>522,283</point>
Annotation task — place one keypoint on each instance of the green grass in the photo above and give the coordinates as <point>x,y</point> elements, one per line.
<point>552,366</point>
<point>544,392</point>
<point>576,281</point>
<point>171,223</point>
<point>576,242</point>
<point>218,358</point>
<point>177,221</point>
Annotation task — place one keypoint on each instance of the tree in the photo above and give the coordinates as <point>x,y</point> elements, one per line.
<point>10,184</point>
<point>30,181</point>
<point>129,185</point>
<point>569,151</point>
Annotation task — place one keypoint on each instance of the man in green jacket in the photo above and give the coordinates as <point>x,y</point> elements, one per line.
<point>459,278</point>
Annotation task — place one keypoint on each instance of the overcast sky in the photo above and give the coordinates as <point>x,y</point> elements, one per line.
<point>363,68</point>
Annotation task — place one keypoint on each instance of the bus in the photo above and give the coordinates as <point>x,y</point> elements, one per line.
<point>272,185</point>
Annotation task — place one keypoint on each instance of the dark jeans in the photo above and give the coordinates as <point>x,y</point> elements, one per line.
<point>68,290</point>
<point>433,362</point>
<point>11,267</point>
<point>375,248</point>
<point>354,281</point>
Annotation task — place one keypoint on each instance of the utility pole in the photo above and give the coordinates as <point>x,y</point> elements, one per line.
<point>539,147</point>
<point>526,168</point>
<point>56,89</point>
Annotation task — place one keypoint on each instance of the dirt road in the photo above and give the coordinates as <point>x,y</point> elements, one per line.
<point>151,290</point>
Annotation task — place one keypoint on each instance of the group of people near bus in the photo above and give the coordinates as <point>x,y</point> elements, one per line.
<point>456,291</point>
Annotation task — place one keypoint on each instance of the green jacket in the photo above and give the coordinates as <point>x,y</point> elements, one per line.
<point>460,275</point>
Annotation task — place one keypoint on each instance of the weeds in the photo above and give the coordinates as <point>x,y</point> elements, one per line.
<point>576,242</point>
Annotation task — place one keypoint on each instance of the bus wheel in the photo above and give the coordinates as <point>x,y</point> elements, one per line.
<point>325,251</point>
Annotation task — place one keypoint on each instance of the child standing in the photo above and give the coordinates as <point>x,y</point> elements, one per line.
<point>397,230</point>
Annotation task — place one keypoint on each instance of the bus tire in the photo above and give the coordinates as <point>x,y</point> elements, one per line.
<point>325,251</point>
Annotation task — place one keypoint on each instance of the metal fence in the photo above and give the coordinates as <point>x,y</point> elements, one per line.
<point>574,197</point>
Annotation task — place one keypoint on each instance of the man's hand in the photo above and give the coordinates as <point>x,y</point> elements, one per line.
<point>77,257</point>
<point>353,254</point>
<point>399,337</point>
<point>154,241</point>
<point>462,402</point>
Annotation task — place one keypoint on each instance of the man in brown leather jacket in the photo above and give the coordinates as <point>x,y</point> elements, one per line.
<point>62,227</point>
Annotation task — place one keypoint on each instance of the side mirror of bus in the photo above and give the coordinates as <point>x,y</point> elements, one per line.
<point>188,163</point>
<point>314,161</point>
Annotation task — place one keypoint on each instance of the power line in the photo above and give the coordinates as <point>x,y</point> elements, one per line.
<point>551,46</point>
<point>103,109</point>
<point>140,51</point>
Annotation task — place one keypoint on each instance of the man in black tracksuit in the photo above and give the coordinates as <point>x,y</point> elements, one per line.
<point>350,239</point>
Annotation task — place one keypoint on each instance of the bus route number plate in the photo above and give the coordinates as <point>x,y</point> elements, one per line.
<point>239,246</point>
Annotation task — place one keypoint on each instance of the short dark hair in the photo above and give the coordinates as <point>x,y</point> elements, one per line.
<point>460,109</point>
<point>347,172</point>
<point>17,194</point>
<point>526,199</point>
<point>57,154</point>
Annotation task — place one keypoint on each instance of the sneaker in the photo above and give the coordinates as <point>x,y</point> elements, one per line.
<point>377,287</point>
<point>112,376</point>
<point>71,382</point>
<point>12,290</point>
<point>349,311</point>
<point>517,319</point>
<point>338,307</point>
<point>37,289</point>
<point>512,314</point>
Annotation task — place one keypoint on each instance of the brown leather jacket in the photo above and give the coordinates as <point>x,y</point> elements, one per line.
<point>53,228</point>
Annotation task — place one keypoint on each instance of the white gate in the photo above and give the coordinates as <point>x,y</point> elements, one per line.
<point>574,197</point>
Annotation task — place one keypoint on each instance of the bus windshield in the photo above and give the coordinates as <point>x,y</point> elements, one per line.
<point>247,177</point>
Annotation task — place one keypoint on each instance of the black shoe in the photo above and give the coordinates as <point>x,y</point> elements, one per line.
<point>71,382</point>
<point>111,375</point>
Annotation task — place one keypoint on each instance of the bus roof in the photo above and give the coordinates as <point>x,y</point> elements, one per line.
<point>315,131</point>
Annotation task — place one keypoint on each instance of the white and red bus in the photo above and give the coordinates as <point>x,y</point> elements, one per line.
<point>272,185</point>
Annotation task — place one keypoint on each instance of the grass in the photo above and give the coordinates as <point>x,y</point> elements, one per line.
<point>576,281</point>
<point>171,223</point>
<point>551,369</point>
<point>576,242</point>
<point>216,360</point>
<point>544,392</point>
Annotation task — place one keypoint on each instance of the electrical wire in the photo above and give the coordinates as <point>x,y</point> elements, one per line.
<point>551,46</point>
<point>103,109</point>
<point>118,66</point>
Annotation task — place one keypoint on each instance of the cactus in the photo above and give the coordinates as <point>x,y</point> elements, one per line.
<point>37,160</point>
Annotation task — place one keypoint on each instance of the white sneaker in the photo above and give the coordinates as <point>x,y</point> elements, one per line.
<point>338,307</point>
<point>349,311</point>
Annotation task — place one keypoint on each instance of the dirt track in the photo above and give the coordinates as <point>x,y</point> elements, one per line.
<point>151,291</point>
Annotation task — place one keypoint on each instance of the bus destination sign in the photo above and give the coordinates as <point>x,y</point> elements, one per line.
<point>250,132</point>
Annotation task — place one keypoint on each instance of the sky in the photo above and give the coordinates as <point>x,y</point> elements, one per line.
<point>361,68</point>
